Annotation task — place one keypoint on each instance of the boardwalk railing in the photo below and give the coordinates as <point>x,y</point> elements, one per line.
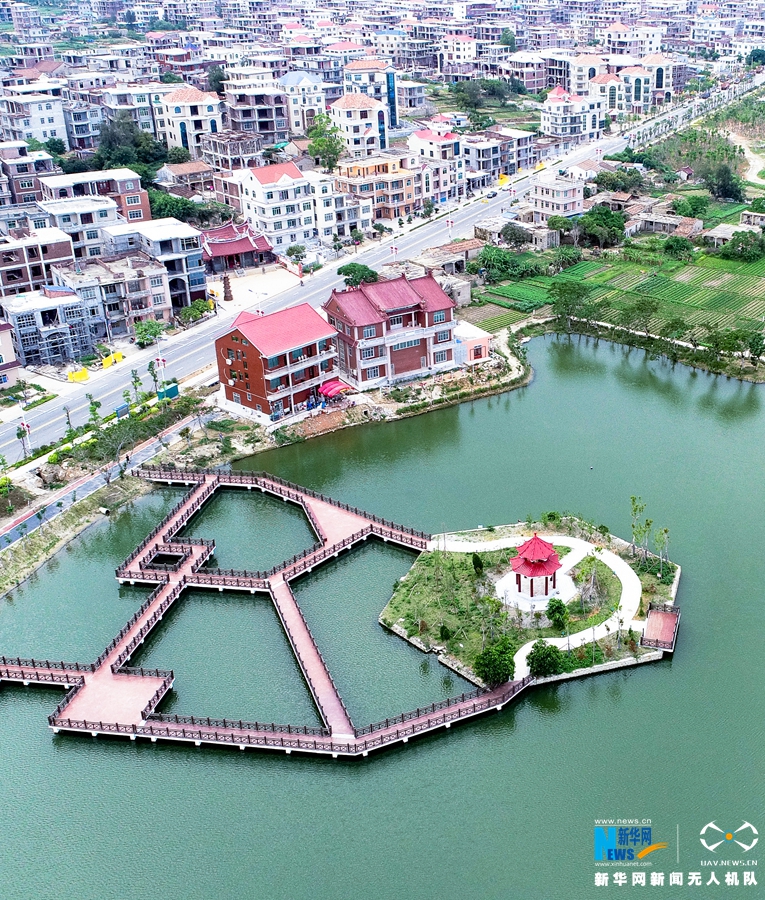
<point>238,725</point>
<point>114,643</point>
<point>46,664</point>
<point>655,642</point>
<point>14,674</point>
<point>214,579</point>
<point>307,561</point>
<point>157,696</point>
<point>142,575</point>
<point>147,626</point>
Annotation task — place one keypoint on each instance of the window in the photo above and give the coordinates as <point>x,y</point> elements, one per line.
<point>103,214</point>
<point>88,293</point>
<point>133,200</point>
<point>373,372</point>
<point>40,223</point>
<point>237,398</point>
<point>156,281</point>
<point>129,185</point>
<point>26,184</point>
<point>135,214</point>
<point>439,317</point>
<point>65,220</point>
<point>442,336</point>
<point>406,344</point>
<point>369,331</point>
<point>276,211</point>
<point>396,321</point>
<point>270,195</point>
<point>440,356</point>
<point>157,299</point>
<point>91,234</point>
<point>369,352</point>
<point>94,251</point>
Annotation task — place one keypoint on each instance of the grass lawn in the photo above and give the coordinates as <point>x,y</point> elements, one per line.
<point>445,603</point>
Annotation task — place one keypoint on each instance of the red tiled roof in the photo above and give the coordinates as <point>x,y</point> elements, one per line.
<point>229,238</point>
<point>282,331</point>
<point>535,558</point>
<point>427,135</point>
<point>370,303</point>
<point>272,174</point>
<point>356,101</point>
<point>364,64</point>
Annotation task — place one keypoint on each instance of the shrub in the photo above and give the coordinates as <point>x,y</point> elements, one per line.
<point>557,613</point>
<point>495,664</point>
<point>545,659</point>
<point>477,564</point>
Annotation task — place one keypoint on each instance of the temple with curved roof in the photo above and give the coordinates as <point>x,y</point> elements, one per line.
<point>535,568</point>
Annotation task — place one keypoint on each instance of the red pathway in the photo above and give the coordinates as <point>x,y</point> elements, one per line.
<point>108,697</point>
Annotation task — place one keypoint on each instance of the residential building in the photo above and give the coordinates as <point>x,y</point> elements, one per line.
<point>144,103</point>
<point>411,97</point>
<point>392,330</point>
<point>374,78</point>
<point>26,258</point>
<point>122,185</point>
<point>257,104</point>
<point>306,99</point>
<point>277,200</point>
<point>230,150</point>
<point>27,116</point>
<point>9,364</point>
<point>83,219</point>
<point>53,326</point>
<point>556,196</point>
<point>189,114</point>
<point>337,212</point>
<point>175,244</point>
<point>130,287</point>
<point>83,124</point>
<point>21,169</point>
<point>440,150</point>
<point>274,365</point>
<point>363,122</point>
<point>573,118</point>
<point>195,177</point>
<point>394,181</point>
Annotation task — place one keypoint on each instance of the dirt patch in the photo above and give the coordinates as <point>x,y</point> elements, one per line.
<point>322,424</point>
<point>477,314</point>
<point>719,280</point>
<point>685,275</point>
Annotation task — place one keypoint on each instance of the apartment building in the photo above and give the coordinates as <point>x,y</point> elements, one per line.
<point>394,181</point>
<point>277,200</point>
<point>31,115</point>
<point>363,122</point>
<point>306,99</point>
<point>440,151</point>
<point>632,40</point>
<point>83,219</point>
<point>21,170</point>
<point>122,185</point>
<point>274,365</point>
<point>257,104</point>
<point>9,364</point>
<point>229,150</point>
<point>130,287</point>
<point>336,212</point>
<point>554,196</point>
<point>53,326</point>
<point>144,103</point>
<point>412,96</point>
<point>572,118</point>
<point>83,124</point>
<point>26,258</point>
<point>392,330</point>
<point>374,78</point>
<point>189,115</point>
<point>175,244</point>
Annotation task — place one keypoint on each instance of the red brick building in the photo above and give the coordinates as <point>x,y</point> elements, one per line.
<point>275,364</point>
<point>392,330</point>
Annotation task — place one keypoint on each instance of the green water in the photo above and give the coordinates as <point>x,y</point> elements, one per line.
<point>500,808</point>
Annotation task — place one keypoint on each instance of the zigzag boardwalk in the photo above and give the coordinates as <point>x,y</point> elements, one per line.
<point>109,697</point>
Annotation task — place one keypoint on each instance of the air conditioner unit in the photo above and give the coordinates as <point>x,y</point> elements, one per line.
<point>231,382</point>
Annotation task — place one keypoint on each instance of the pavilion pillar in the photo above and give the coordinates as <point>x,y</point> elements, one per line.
<point>546,588</point>
<point>518,583</point>
<point>531,583</point>
<point>554,574</point>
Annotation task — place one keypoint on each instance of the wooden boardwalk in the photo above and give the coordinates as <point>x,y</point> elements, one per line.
<point>110,697</point>
<point>661,627</point>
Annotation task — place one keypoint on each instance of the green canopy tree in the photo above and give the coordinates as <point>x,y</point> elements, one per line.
<point>327,141</point>
<point>514,236</point>
<point>216,79</point>
<point>177,155</point>
<point>557,613</point>
<point>170,78</point>
<point>495,664</point>
<point>356,273</point>
<point>146,333</point>
<point>507,39</point>
<point>544,659</point>
<point>568,298</point>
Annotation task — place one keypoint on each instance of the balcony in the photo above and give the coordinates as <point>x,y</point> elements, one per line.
<point>301,362</point>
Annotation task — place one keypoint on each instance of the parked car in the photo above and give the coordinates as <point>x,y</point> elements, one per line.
<point>491,194</point>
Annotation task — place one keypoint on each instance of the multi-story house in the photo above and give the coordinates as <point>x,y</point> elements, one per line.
<point>517,148</point>
<point>83,219</point>
<point>175,244</point>
<point>273,365</point>
<point>392,330</point>
<point>394,181</point>
<point>632,40</point>
<point>277,200</point>
<point>122,185</point>
<point>26,258</point>
<point>441,151</point>
<point>610,91</point>
<point>306,99</point>
<point>256,104</point>
<point>336,212</point>
<point>556,196</point>
<point>412,97</point>
<point>363,122</point>
<point>22,168</point>
<point>572,118</point>
<point>9,364</point>
<point>229,150</point>
<point>374,78</point>
<point>27,116</point>
<point>83,124</point>
<point>53,326</point>
<point>144,103</point>
<point>131,287</point>
<point>190,114</point>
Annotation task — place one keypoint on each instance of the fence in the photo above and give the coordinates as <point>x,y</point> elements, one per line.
<point>130,623</point>
<point>655,642</point>
<point>46,664</point>
<point>147,626</point>
<point>238,725</point>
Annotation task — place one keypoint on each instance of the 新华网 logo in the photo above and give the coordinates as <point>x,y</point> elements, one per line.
<point>615,844</point>
<point>745,836</point>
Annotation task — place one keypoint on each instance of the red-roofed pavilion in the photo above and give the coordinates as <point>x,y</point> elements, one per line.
<point>535,567</point>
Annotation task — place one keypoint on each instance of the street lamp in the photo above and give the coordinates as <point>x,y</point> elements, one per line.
<point>161,363</point>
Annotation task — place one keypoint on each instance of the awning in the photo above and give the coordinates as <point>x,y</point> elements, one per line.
<point>333,388</point>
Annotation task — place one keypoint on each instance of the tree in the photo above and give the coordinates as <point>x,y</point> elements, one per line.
<point>135,381</point>
<point>507,39</point>
<point>130,18</point>
<point>514,236</point>
<point>170,78</point>
<point>603,226</point>
<point>357,236</point>
<point>557,613</point>
<point>428,208</point>
<point>756,58</point>
<point>379,229</point>
<point>55,146</point>
<point>678,247</point>
<point>568,297</point>
<point>477,565</point>
<point>756,346</point>
<point>694,206</point>
<point>724,183</point>
<point>169,206</point>
<point>327,141</point>
<point>559,223</point>
<point>745,246</point>
<point>151,368</point>
<point>495,664</point>
<point>216,79</point>
<point>356,274</point>
<point>661,543</point>
<point>469,93</point>
<point>337,244</point>
<point>193,313</point>
<point>177,155</point>
<point>146,333</point>
<point>644,308</point>
<point>544,659</point>
<point>296,253</point>
<point>637,508</point>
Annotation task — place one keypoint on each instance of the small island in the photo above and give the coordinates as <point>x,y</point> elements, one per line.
<point>555,599</point>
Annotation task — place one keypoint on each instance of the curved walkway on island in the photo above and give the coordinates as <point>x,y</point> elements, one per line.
<point>628,604</point>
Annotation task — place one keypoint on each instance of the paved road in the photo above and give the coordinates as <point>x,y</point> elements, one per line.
<point>193,350</point>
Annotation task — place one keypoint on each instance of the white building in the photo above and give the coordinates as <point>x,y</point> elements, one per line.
<point>306,99</point>
<point>363,122</point>
<point>572,118</point>
<point>189,115</point>
<point>554,196</point>
<point>277,200</point>
<point>374,78</point>
<point>83,219</point>
<point>440,150</point>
